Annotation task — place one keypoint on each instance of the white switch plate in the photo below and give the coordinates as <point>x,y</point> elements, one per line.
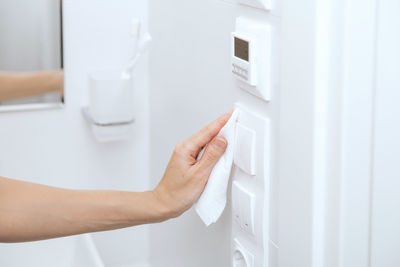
<point>251,224</point>
<point>252,124</point>
<point>247,211</point>
<point>243,204</point>
<point>244,150</point>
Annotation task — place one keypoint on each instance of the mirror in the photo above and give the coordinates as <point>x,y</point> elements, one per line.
<point>31,65</point>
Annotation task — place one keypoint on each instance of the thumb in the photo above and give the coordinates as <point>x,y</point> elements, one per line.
<point>214,151</point>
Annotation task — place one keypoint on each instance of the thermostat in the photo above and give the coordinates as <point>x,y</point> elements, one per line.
<point>243,63</point>
<point>251,56</point>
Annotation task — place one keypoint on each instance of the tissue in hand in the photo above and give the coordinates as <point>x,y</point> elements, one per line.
<point>213,200</point>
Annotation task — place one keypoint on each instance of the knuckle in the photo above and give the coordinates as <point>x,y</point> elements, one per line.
<point>211,155</point>
<point>199,174</point>
<point>183,148</point>
<point>214,153</point>
<point>180,148</point>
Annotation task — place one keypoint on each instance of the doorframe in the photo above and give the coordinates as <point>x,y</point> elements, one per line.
<point>358,111</point>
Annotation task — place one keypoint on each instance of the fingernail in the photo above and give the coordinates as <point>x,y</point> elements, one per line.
<point>220,142</point>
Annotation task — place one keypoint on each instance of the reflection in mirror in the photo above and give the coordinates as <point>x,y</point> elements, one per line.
<point>31,52</point>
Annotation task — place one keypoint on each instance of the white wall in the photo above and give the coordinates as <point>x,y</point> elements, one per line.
<point>55,147</point>
<point>192,85</point>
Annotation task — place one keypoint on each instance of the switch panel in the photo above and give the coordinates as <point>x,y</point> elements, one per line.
<point>243,203</point>
<point>251,187</point>
<point>245,146</point>
<point>262,4</point>
<point>236,211</point>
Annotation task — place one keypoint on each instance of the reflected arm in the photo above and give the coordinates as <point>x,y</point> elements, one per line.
<point>14,85</point>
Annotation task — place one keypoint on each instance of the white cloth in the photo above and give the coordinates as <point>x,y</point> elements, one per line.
<point>213,200</point>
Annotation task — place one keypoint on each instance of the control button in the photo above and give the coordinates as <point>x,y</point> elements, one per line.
<point>244,150</point>
<point>243,206</point>
<point>247,209</point>
<point>236,203</point>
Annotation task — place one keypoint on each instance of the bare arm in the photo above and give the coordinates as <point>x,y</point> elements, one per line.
<point>31,212</point>
<point>25,84</point>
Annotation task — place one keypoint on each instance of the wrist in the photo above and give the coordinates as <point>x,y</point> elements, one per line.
<point>164,204</point>
<point>138,208</point>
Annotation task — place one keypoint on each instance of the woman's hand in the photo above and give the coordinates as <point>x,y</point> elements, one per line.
<point>185,178</point>
<point>30,212</point>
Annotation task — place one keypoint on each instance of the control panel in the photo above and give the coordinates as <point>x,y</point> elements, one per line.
<point>251,56</point>
<point>243,60</point>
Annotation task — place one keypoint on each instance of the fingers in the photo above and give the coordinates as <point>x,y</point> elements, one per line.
<point>204,136</point>
<point>213,153</point>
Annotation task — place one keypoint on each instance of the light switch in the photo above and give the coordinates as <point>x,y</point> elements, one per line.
<point>236,202</point>
<point>243,205</point>
<point>245,147</point>
<point>247,211</point>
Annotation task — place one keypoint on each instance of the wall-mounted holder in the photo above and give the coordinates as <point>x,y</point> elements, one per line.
<point>110,109</point>
<point>108,132</point>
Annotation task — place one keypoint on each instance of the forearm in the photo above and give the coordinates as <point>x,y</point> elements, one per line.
<point>31,212</point>
<point>25,84</point>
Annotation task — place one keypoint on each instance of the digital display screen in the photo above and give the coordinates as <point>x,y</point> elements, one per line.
<point>241,49</point>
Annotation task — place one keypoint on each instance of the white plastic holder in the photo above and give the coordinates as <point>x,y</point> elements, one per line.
<point>110,112</point>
